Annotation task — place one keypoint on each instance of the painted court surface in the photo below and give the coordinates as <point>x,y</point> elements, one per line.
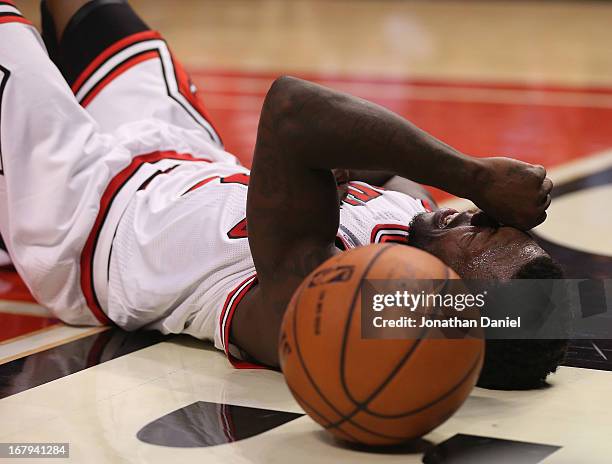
<point>528,79</point>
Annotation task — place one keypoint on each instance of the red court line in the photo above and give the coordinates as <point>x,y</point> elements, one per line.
<point>12,287</point>
<point>17,325</point>
<point>537,133</point>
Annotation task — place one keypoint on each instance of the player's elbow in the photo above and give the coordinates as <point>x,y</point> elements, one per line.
<point>281,112</point>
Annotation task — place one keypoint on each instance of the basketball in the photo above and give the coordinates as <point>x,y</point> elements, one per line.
<point>371,391</point>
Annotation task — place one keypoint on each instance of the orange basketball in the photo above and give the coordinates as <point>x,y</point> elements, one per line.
<point>371,391</point>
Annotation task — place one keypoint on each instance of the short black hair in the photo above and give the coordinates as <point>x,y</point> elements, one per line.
<point>542,267</point>
<point>524,364</point>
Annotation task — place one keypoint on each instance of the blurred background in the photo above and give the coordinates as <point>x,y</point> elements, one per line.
<point>532,79</point>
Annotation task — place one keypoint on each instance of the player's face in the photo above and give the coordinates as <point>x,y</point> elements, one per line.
<point>473,244</point>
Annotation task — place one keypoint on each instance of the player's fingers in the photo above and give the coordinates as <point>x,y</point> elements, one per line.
<point>541,219</point>
<point>547,201</point>
<point>540,172</point>
<point>547,186</point>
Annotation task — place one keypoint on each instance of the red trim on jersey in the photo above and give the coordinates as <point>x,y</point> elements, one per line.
<point>110,51</point>
<point>201,184</point>
<point>148,181</point>
<point>184,87</point>
<point>390,238</point>
<point>122,68</point>
<point>240,230</point>
<point>14,19</point>
<point>225,321</point>
<point>106,201</point>
<point>427,205</point>
<point>384,238</point>
<point>344,242</point>
<point>8,2</point>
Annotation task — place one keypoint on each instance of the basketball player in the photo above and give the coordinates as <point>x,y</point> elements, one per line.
<point>119,205</point>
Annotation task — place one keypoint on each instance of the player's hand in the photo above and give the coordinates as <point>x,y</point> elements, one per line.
<point>513,192</point>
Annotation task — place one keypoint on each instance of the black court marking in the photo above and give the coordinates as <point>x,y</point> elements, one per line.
<point>204,424</point>
<point>590,354</point>
<point>579,264</point>
<point>52,364</point>
<point>5,77</point>
<point>472,449</point>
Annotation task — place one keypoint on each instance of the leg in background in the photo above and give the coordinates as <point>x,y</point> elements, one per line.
<point>120,70</point>
<point>49,151</point>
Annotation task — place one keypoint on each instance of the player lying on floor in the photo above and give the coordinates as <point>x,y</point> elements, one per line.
<point>119,205</point>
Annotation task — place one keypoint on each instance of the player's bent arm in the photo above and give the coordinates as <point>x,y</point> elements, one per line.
<point>293,218</point>
<point>327,128</point>
<point>305,131</point>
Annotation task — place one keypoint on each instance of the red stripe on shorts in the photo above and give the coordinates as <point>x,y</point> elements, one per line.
<point>109,52</point>
<point>130,63</point>
<point>106,201</point>
<point>225,321</point>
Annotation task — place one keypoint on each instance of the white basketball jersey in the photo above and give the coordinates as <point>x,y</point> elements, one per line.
<point>181,259</point>
<point>126,206</point>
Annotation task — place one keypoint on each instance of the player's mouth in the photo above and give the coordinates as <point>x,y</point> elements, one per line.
<point>444,217</point>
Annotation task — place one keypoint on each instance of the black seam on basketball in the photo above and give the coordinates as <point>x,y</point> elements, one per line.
<point>362,406</point>
<point>349,318</point>
<point>342,354</point>
<point>416,411</point>
<point>310,379</point>
<point>433,402</point>
<point>318,413</point>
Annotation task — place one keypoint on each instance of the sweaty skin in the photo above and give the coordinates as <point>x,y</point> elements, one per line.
<point>473,244</point>
<point>305,132</point>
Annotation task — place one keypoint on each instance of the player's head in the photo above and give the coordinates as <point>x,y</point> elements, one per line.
<point>477,247</point>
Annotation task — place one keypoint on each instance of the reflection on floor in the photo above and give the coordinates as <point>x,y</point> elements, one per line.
<point>105,410</point>
<point>203,424</point>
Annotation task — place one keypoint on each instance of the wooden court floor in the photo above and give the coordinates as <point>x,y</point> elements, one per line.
<point>530,79</point>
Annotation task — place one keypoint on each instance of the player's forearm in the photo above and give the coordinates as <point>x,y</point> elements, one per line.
<point>324,129</point>
<point>378,178</point>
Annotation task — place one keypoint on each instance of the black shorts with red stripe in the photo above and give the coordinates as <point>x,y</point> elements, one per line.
<point>106,38</point>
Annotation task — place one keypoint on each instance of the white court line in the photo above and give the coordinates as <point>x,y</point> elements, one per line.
<point>24,308</point>
<point>414,92</point>
<point>559,175</point>
<point>43,340</point>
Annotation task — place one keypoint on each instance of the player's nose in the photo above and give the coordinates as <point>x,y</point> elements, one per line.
<point>481,219</point>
